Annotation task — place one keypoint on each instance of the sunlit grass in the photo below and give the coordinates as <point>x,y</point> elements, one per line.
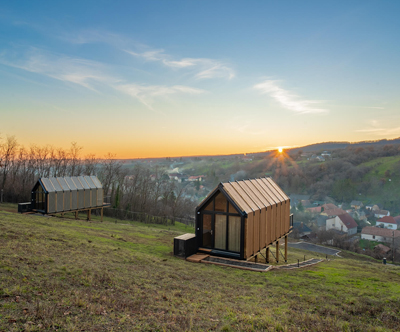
<point>70,275</point>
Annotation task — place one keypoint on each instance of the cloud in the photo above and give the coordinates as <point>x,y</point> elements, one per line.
<point>147,94</point>
<point>83,72</point>
<point>205,68</point>
<point>377,129</point>
<point>287,99</point>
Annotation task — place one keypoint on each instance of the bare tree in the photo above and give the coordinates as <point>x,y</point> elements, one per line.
<point>7,153</point>
<point>75,168</point>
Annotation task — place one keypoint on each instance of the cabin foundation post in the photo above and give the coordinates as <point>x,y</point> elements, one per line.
<point>267,255</point>
<point>277,251</point>
<point>62,214</point>
<point>286,245</point>
<point>76,214</point>
<point>89,215</point>
<point>101,214</point>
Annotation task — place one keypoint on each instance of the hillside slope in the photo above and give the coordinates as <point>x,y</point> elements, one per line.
<point>75,275</point>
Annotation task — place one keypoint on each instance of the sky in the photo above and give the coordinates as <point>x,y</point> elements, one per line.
<point>153,78</point>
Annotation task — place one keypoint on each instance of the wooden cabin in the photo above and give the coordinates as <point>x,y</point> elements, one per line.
<point>239,219</point>
<point>66,194</point>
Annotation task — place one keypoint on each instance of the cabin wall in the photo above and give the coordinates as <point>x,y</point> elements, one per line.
<point>266,226</point>
<point>263,228</point>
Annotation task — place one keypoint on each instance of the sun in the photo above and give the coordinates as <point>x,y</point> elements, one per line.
<point>280,150</point>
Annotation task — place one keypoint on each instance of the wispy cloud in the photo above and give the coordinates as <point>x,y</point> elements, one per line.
<point>287,99</point>
<point>205,68</point>
<point>374,127</point>
<point>147,94</point>
<point>83,72</point>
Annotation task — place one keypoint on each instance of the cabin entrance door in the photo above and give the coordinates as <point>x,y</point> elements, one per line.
<point>207,238</point>
<point>220,232</point>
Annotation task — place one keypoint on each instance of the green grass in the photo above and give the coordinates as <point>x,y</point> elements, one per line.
<point>68,275</point>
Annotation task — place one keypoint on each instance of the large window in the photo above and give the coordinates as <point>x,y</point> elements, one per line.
<point>221,224</point>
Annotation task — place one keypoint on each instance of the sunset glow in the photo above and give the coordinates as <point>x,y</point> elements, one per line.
<point>158,79</point>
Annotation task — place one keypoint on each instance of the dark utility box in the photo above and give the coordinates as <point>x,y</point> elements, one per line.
<point>185,245</point>
<point>24,207</point>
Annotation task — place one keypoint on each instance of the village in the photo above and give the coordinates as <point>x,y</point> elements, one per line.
<point>351,223</point>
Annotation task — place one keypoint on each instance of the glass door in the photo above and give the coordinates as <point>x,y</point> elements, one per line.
<point>220,231</point>
<point>207,231</point>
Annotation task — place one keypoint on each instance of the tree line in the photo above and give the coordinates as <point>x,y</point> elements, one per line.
<point>128,189</point>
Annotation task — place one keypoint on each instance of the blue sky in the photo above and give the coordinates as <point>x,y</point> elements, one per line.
<point>170,78</point>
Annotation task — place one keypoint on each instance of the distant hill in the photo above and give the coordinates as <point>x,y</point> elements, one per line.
<point>342,145</point>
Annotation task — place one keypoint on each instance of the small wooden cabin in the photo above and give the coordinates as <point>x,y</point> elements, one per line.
<point>239,219</point>
<point>63,194</point>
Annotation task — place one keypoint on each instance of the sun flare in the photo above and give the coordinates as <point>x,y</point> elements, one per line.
<point>280,150</point>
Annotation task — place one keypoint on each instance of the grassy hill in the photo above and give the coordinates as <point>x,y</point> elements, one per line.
<point>383,191</point>
<point>67,275</point>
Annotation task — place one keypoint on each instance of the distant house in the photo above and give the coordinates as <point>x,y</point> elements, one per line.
<point>173,176</point>
<point>375,207</point>
<point>356,205</point>
<point>320,158</point>
<point>326,154</point>
<point>247,158</point>
<point>387,222</point>
<point>343,222</point>
<point>379,234</point>
<point>196,178</point>
<point>331,210</point>
<point>381,213</point>
<point>314,209</point>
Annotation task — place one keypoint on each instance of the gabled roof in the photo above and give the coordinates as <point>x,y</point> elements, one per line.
<point>371,230</point>
<point>388,220</point>
<point>347,220</point>
<point>355,203</point>
<point>383,212</point>
<point>70,183</point>
<point>251,195</point>
<point>334,212</point>
<point>329,206</point>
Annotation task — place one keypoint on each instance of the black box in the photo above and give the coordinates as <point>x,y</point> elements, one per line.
<point>185,245</point>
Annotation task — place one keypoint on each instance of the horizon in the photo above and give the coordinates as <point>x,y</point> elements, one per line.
<point>154,80</point>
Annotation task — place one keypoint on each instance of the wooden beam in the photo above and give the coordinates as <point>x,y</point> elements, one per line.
<point>76,214</point>
<point>277,251</point>
<point>89,215</point>
<point>267,255</point>
<point>102,214</point>
<point>286,245</point>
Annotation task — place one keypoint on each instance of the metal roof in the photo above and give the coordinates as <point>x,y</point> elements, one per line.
<point>70,183</point>
<point>252,195</point>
